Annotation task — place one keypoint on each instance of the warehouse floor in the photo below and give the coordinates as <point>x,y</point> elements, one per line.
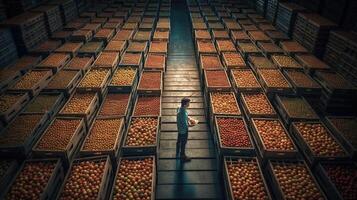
<point>197,179</point>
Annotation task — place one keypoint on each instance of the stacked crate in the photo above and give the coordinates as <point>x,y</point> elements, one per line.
<point>286,16</point>
<point>312,31</point>
<point>52,16</point>
<point>8,50</point>
<point>68,9</point>
<point>340,53</point>
<point>28,30</point>
<point>15,7</point>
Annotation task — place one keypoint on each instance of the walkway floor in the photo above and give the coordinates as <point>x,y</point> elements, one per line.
<point>197,179</point>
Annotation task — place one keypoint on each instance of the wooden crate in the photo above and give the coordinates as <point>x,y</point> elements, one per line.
<point>154,178</point>
<point>265,153</point>
<point>69,85</point>
<point>89,114</point>
<point>250,114</point>
<point>310,156</point>
<point>114,151</point>
<point>225,150</point>
<point>152,149</point>
<point>43,79</point>
<point>21,100</point>
<point>52,185</point>
<point>134,114</point>
<point>72,146</point>
<point>105,179</point>
<point>112,87</point>
<point>216,88</point>
<point>54,62</point>
<point>227,181</point>
<point>101,88</point>
<point>51,110</point>
<point>142,90</point>
<point>274,181</point>
<point>22,148</point>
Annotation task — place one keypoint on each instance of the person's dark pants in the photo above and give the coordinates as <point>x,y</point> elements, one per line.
<point>181,144</point>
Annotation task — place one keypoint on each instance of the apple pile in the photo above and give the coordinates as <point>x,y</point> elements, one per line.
<point>19,130</point>
<point>273,135</point>
<point>233,59</point>
<point>226,45</point>
<point>155,61</point>
<point>150,80</point>
<point>210,62</point>
<point>42,103</point>
<point>32,180</point>
<point>103,135</point>
<point>296,182</point>
<point>30,79</point>
<point>274,78</point>
<point>224,103</point>
<point>319,139</point>
<point>131,59</point>
<point>347,127</point>
<point>124,76</point>
<point>115,104</point>
<point>94,78</point>
<point>79,103</point>
<point>244,78</point>
<point>344,178</point>
<point>258,103</point>
<point>217,78</point>
<point>246,180</point>
<point>206,47</point>
<point>158,47</point>
<point>233,132</point>
<point>58,135</point>
<point>84,180</point>
<point>148,105</point>
<point>142,131</point>
<point>134,179</point>
<point>298,108</point>
<point>301,79</point>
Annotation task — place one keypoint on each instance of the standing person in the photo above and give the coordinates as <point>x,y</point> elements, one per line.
<point>182,127</point>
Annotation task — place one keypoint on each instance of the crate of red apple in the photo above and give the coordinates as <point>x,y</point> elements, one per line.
<point>116,105</point>
<point>142,136</point>
<point>131,60</point>
<point>205,47</point>
<point>338,179</point>
<point>132,171</point>
<point>155,62</point>
<point>159,47</point>
<point>210,62</point>
<point>343,128</point>
<point>292,179</point>
<point>317,142</point>
<point>150,82</point>
<point>224,103</point>
<point>216,80</point>
<point>244,179</point>
<point>244,80</point>
<point>80,63</point>
<point>147,105</point>
<point>233,136</point>
<point>272,139</point>
<point>87,178</point>
<point>108,60</point>
<point>36,178</point>
<point>232,60</point>
<point>257,104</point>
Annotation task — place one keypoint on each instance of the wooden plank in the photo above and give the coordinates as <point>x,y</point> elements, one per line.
<point>175,105</point>
<point>172,119</point>
<point>198,191</point>
<point>178,99</point>
<point>188,72</point>
<point>179,83</point>
<point>173,127</point>
<point>186,177</point>
<point>183,88</point>
<point>195,164</point>
<point>191,144</point>
<point>183,79</point>
<point>193,153</point>
<point>191,136</point>
<point>192,112</point>
<point>182,94</point>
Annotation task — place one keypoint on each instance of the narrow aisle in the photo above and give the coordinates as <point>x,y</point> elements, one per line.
<point>197,179</point>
